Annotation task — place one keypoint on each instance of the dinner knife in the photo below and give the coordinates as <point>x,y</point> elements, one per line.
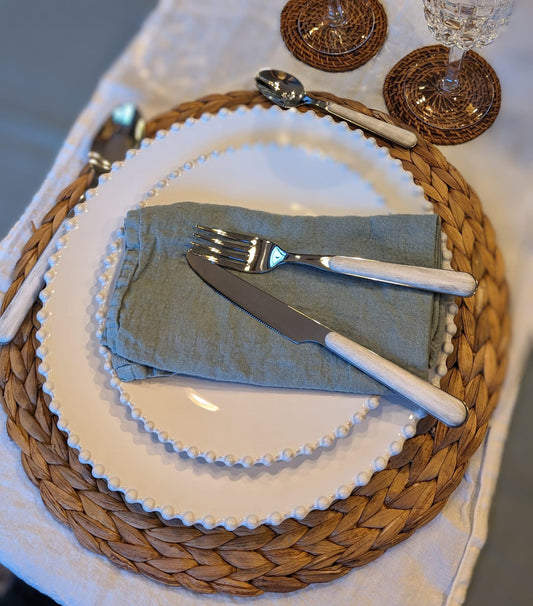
<point>300,328</point>
<point>122,130</point>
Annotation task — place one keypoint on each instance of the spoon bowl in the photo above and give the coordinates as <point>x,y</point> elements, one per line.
<point>123,130</point>
<point>281,88</point>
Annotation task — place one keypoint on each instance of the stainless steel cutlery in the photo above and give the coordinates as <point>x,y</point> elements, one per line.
<point>254,254</point>
<point>300,328</point>
<point>122,130</point>
<point>287,91</point>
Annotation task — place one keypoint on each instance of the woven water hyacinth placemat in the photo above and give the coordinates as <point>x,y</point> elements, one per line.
<point>331,63</point>
<point>325,545</point>
<point>471,69</point>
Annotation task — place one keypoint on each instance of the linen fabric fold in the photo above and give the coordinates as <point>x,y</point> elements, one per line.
<point>162,319</point>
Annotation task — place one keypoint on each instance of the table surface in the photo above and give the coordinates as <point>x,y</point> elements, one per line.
<point>48,70</point>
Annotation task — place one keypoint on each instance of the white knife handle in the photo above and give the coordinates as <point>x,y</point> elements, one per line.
<point>427,278</point>
<point>25,297</point>
<point>438,403</point>
<point>393,133</point>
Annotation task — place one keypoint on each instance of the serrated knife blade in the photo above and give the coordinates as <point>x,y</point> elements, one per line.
<point>300,328</point>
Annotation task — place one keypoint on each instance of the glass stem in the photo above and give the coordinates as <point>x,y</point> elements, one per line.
<point>335,13</point>
<point>450,82</point>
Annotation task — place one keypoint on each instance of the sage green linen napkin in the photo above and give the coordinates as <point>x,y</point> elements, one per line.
<point>163,319</point>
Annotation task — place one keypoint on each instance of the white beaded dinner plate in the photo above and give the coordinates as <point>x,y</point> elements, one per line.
<point>184,465</point>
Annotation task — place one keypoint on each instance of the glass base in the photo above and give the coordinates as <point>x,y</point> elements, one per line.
<point>461,108</point>
<point>329,38</point>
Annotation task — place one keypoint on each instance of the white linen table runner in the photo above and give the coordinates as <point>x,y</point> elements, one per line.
<point>187,49</point>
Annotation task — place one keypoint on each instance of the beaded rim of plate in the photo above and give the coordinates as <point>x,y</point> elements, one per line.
<point>132,493</point>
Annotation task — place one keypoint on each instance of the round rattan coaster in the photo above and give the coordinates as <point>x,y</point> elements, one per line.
<point>326,544</point>
<point>331,63</point>
<point>394,87</point>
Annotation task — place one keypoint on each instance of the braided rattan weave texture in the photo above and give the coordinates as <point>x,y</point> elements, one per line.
<point>331,63</point>
<point>393,91</point>
<point>326,544</point>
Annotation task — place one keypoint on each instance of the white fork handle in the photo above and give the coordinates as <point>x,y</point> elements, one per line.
<point>393,133</point>
<point>438,403</point>
<point>427,278</point>
<point>25,297</point>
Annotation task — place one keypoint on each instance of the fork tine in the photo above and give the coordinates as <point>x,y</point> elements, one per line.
<point>243,248</point>
<point>230,235</point>
<point>221,251</point>
<point>219,243</point>
<point>216,238</point>
<point>228,262</point>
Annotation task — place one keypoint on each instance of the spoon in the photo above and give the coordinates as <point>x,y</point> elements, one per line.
<point>286,90</point>
<point>123,130</point>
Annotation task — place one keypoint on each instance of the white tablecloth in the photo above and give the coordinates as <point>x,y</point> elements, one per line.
<point>187,49</point>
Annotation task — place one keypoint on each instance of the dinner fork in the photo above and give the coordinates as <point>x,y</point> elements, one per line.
<point>256,255</point>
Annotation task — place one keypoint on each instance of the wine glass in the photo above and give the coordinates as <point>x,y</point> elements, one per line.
<point>332,27</point>
<point>459,93</point>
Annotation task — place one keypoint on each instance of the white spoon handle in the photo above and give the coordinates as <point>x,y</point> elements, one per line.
<point>393,133</point>
<point>438,403</point>
<point>427,278</point>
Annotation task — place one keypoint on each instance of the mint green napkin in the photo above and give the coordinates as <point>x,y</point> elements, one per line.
<point>163,319</point>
